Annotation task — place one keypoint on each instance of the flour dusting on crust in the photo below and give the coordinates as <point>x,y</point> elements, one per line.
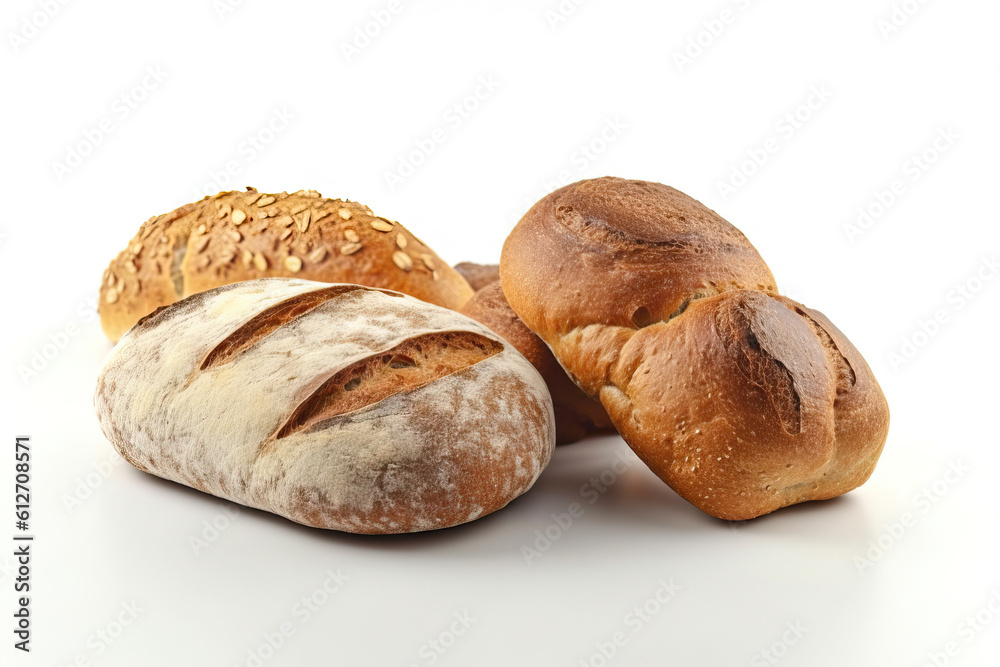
<point>444,453</point>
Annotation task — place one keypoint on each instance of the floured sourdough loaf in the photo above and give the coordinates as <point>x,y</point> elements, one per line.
<point>336,406</point>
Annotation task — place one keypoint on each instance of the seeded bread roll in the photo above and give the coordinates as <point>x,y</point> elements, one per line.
<point>741,400</point>
<point>577,415</point>
<point>235,236</point>
<point>336,406</point>
<point>478,275</point>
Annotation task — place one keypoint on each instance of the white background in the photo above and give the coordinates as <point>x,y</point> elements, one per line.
<point>109,536</point>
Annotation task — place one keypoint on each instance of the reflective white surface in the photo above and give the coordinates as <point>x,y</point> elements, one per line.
<point>888,575</point>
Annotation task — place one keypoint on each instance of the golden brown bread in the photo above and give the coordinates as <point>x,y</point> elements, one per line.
<point>747,403</point>
<point>478,275</point>
<point>741,400</point>
<point>237,236</point>
<point>623,253</point>
<point>577,415</point>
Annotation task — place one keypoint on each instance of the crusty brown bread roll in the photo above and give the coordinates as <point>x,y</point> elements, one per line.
<point>741,400</point>
<point>478,275</point>
<point>577,415</point>
<point>235,236</point>
<point>336,406</point>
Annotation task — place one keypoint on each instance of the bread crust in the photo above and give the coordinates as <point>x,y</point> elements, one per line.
<point>237,236</point>
<point>741,400</point>
<point>747,403</point>
<point>250,392</point>
<point>623,253</point>
<point>577,414</point>
<point>478,275</point>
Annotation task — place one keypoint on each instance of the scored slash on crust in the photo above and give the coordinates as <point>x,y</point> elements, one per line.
<point>269,320</point>
<point>414,363</point>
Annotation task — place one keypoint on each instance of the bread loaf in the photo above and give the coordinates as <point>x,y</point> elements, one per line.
<point>741,400</point>
<point>336,406</point>
<point>577,415</point>
<point>235,236</point>
<point>478,275</point>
